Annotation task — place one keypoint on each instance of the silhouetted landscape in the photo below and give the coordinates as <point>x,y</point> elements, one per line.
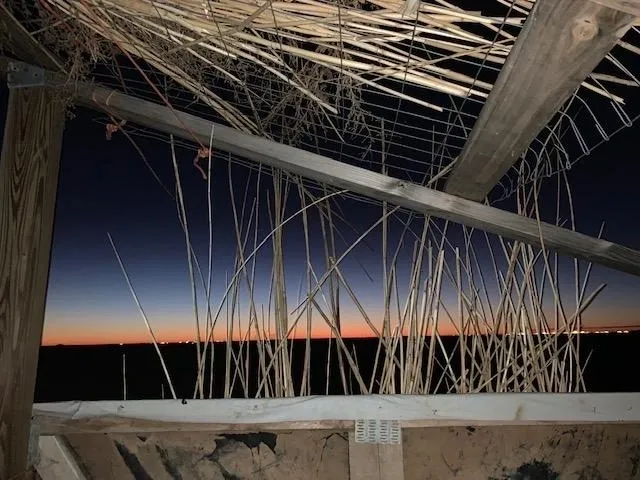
<point>95,372</point>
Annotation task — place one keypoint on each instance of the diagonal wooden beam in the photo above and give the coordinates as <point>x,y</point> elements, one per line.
<point>359,180</point>
<point>16,41</point>
<point>56,461</point>
<point>562,41</point>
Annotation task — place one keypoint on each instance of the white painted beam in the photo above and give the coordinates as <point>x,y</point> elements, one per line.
<point>323,412</point>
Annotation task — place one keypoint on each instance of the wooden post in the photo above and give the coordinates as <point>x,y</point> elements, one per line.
<point>378,458</point>
<point>28,182</point>
<point>370,461</point>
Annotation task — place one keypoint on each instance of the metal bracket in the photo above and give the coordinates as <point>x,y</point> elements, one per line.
<point>23,75</point>
<point>378,431</point>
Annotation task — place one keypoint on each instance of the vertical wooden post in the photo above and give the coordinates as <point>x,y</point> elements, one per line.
<point>28,182</point>
<point>373,460</point>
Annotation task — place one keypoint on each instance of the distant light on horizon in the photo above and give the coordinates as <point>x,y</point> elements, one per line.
<point>612,331</point>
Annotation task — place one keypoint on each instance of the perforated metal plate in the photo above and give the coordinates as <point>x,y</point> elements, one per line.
<point>378,431</point>
<point>22,75</point>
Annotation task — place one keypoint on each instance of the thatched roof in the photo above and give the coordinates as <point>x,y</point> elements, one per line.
<point>347,78</point>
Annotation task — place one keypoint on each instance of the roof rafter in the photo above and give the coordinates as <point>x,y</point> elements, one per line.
<point>19,43</point>
<point>561,42</point>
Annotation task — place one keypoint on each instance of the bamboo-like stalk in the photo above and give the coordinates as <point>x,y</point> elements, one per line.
<point>124,376</point>
<point>142,314</point>
<point>505,338</point>
<point>192,280</point>
<point>358,43</point>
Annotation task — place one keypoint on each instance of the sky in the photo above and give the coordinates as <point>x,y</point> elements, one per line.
<point>105,187</point>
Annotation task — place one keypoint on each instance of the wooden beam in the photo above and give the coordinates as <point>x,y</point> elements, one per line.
<point>16,40</point>
<point>341,175</point>
<point>28,182</point>
<point>371,461</point>
<point>562,41</point>
<point>56,461</point>
<point>375,460</point>
<point>335,412</point>
<point>631,7</point>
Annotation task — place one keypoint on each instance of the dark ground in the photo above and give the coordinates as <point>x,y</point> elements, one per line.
<point>95,372</point>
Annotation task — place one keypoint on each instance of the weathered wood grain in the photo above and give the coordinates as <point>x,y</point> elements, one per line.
<point>630,6</point>
<point>543,452</point>
<point>298,455</point>
<point>28,183</point>
<point>335,412</point>
<point>370,461</point>
<point>588,452</point>
<point>16,41</point>
<point>56,461</point>
<point>561,42</point>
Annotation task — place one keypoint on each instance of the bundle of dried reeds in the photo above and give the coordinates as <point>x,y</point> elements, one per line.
<point>380,44</point>
<point>514,330</point>
<point>514,335</point>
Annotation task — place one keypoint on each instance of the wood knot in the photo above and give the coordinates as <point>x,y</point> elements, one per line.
<point>585,29</point>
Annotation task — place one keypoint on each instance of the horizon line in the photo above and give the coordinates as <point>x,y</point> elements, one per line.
<point>623,330</point>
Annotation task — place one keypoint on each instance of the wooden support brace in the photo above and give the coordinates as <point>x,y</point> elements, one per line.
<point>28,183</point>
<point>55,461</point>
<point>17,41</point>
<point>562,41</point>
<point>375,451</point>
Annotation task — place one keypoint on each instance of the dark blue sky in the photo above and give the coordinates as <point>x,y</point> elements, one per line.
<point>105,187</point>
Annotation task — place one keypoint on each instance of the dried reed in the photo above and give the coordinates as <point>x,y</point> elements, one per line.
<point>515,330</point>
<point>320,51</point>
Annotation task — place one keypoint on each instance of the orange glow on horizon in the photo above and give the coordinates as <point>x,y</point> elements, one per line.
<point>102,339</point>
<point>318,334</point>
<point>103,329</point>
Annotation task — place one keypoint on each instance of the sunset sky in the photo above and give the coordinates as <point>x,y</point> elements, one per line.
<point>105,187</point>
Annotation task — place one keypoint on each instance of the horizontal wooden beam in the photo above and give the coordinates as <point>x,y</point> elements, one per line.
<point>359,180</point>
<point>562,41</point>
<point>335,412</point>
